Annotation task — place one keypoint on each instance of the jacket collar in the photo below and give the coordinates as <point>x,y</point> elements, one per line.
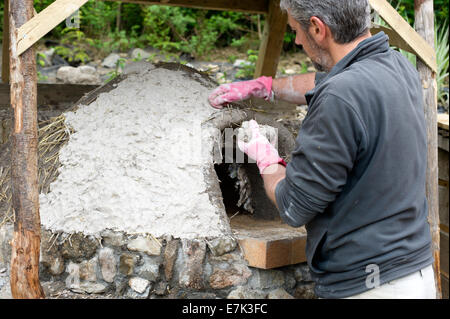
<point>366,48</point>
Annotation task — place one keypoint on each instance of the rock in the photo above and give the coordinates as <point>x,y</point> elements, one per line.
<point>107,262</point>
<point>302,273</point>
<point>161,289</point>
<point>238,63</point>
<point>170,255</point>
<point>193,253</point>
<point>2,270</point>
<point>80,75</point>
<point>111,60</point>
<point>90,288</point>
<point>126,264</point>
<point>198,295</point>
<point>138,284</point>
<point>149,269</point>
<point>145,245</point>
<point>73,280</point>
<point>50,254</point>
<point>79,247</point>
<point>235,275</point>
<point>289,280</point>
<point>113,238</point>
<point>221,245</point>
<point>121,287</point>
<point>279,293</point>
<point>5,289</point>
<point>139,54</point>
<point>305,292</point>
<point>6,233</point>
<point>246,293</point>
<point>263,279</point>
<point>86,69</point>
<point>290,71</point>
<point>136,67</point>
<point>88,270</point>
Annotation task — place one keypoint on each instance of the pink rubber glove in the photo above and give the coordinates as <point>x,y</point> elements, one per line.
<point>260,149</point>
<point>236,91</point>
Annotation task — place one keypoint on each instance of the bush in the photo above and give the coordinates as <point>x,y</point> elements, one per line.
<point>194,31</point>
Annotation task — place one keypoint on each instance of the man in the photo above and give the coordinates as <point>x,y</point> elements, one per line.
<point>357,174</point>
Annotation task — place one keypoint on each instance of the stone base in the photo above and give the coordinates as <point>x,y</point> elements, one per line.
<point>118,265</point>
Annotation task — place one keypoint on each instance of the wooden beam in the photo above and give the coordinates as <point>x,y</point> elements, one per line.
<point>272,41</point>
<point>422,49</point>
<point>5,43</point>
<point>394,38</point>
<point>250,6</point>
<point>269,244</point>
<point>424,23</point>
<point>57,95</point>
<point>24,275</point>
<point>45,21</point>
<point>443,121</point>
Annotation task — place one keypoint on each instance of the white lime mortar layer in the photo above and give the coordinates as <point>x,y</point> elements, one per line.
<point>136,162</point>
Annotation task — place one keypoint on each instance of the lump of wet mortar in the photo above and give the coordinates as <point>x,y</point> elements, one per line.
<point>245,132</point>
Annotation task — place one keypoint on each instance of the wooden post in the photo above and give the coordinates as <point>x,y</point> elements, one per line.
<point>272,40</point>
<point>424,23</point>
<point>24,276</point>
<point>5,43</point>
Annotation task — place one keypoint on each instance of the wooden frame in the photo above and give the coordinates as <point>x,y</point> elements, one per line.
<point>25,30</point>
<point>420,47</point>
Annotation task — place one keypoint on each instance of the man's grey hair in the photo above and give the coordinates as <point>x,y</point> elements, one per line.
<point>347,19</point>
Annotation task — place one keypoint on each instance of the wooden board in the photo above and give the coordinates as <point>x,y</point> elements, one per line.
<point>272,41</point>
<point>54,95</point>
<point>420,47</point>
<point>443,121</point>
<point>269,244</point>
<point>45,21</point>
<point>251,6</point>
<point>394,38</point>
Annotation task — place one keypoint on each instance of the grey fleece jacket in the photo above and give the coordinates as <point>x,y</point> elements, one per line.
<point>357,174</point>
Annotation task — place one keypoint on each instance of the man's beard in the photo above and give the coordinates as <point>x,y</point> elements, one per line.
<point>322,59</point>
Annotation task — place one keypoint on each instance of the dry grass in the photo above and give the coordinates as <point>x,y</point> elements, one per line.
<point>52,134</point>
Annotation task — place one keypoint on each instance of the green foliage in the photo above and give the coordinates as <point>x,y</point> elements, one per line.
<point>41,77</point>
<point>40,59</point>
<point>406,9</point>
<point>119,41</point>
<point>304,67</point>
<point>74,46</point>
<point>193,31</point>
<point>247,70</point>
<point>441,47</point>
<point>120,64</point>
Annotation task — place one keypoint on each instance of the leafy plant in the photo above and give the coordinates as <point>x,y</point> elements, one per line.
<point>41,77</point>
<point>74,46</point>
<point>247,70</point>
<point>117,70</point>
<point>441,47</point>
<point>304,67</point>
<point>40,59</point>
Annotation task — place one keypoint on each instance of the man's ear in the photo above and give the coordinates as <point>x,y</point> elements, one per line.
<point>318,30</point>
